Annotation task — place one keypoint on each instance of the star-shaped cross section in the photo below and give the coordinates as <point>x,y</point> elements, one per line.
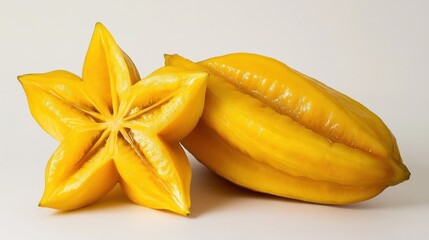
<point>114,127</point>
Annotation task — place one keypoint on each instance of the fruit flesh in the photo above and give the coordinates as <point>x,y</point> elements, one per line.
<point>114,127</point>
<point>284,123</point>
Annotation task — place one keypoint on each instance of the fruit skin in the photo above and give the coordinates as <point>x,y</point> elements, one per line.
<point>272,129</point>
<point>115,128</point>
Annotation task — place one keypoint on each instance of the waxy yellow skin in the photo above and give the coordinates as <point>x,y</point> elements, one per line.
<point>272,129</point>
<point>114,127</point>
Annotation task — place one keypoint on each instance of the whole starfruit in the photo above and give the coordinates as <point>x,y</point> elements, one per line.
<point>272,129</point>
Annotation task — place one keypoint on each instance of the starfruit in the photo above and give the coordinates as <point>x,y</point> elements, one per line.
<point>270,128</point>
<point>114,127</point>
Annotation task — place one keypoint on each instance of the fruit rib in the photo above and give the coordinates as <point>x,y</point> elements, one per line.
<point>305,100</point>
<point>263,118</point>
<point>275,139</point>
<point>242,170</point>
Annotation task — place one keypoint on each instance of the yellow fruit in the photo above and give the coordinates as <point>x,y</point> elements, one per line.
<point>272,129</point>
<point>114,127</point>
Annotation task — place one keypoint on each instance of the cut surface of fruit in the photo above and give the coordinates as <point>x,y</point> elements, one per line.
<point>114,127</point>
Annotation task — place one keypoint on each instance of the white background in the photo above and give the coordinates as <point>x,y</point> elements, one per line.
<point>374,51</point>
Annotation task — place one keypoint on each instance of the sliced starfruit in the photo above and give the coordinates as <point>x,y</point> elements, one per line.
<point>114,127</point>
<point>272,129</point>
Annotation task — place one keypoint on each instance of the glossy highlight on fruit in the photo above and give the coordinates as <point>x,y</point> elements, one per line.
<point>270,128</point>
<point>114,127</point>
